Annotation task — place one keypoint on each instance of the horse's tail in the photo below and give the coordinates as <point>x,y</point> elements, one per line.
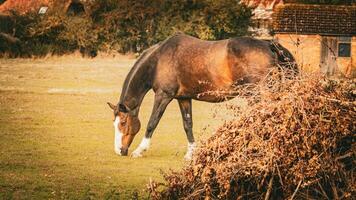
<point>284,57</point>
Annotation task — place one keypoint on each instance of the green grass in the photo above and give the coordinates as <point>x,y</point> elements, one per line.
<point>56,133</point>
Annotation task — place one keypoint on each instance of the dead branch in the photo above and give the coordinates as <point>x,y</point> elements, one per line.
<point>296,190</point>
<point>269,189</point>
<point>9,38</point>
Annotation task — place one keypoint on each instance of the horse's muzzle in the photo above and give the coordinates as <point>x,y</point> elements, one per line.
<point>124,151</point>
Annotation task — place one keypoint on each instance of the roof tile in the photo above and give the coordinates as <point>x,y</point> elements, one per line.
<point>315,19</point>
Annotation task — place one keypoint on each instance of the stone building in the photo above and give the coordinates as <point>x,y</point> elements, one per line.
<point>321,37</point>
<point>262,11</point>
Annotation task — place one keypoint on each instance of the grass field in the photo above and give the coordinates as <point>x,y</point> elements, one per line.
<point>56,133</point>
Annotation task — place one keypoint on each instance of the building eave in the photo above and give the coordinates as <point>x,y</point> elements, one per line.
<point>322,34</point>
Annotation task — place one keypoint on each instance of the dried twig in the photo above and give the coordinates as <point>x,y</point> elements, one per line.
<point>296,190</point>
<point>269,189</point>
<point>279,175</point>
<point>335,193</point>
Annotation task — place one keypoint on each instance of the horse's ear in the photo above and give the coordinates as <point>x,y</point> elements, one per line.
<point>112,106</point>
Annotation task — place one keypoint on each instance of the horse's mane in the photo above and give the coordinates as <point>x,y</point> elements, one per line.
<point>138,64</point>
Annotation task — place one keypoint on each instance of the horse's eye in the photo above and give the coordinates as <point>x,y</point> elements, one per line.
<point>122,122</point>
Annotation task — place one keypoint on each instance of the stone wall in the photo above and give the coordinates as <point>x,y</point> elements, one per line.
<point>353,58</point>
<point>347,66</point>
<point>307,51</point>
<point>305,48</point>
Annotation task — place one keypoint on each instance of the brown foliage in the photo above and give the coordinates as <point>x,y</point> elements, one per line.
<point>295,140</point>
<point>23,6</point>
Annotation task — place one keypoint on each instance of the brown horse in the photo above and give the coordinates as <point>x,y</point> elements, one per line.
<point>183,68</point>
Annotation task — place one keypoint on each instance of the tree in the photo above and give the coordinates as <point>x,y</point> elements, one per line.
<point>136,25</point>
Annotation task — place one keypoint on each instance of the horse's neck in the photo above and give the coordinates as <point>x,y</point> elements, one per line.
<point>137,86</point>
<point>138,82</point>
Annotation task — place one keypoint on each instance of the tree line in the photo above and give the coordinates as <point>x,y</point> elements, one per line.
<point>121,26</point>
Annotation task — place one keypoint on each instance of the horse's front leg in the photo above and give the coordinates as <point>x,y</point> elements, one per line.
<point>160,104</point>
<point>185,106</point>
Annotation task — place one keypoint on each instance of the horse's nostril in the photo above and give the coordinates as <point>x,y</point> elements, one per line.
<point>124,152</point>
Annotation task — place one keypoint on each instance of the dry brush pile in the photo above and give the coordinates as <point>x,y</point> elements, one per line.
<point>295,140</point>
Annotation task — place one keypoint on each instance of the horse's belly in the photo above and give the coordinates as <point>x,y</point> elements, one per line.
<point>206,89</point>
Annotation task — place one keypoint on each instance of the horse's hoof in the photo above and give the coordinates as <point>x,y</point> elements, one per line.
<point>118,152</point>
<point>188,157</point>
<point>136,154</point>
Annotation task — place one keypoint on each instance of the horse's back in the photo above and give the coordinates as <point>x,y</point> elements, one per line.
<point>188,66</point>
<point>192,66</point>
<point>242,55</point>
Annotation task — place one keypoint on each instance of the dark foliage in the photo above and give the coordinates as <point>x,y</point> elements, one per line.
<point>123,26</point>
<point>42,35</point>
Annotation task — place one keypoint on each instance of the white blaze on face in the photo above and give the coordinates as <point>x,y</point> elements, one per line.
<point>118,136</point>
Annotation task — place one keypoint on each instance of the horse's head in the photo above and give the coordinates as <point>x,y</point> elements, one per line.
<point>126,126</point>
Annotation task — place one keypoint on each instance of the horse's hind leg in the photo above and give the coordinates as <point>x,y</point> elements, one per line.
<point>185,106</point>
<point>160,104</point>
